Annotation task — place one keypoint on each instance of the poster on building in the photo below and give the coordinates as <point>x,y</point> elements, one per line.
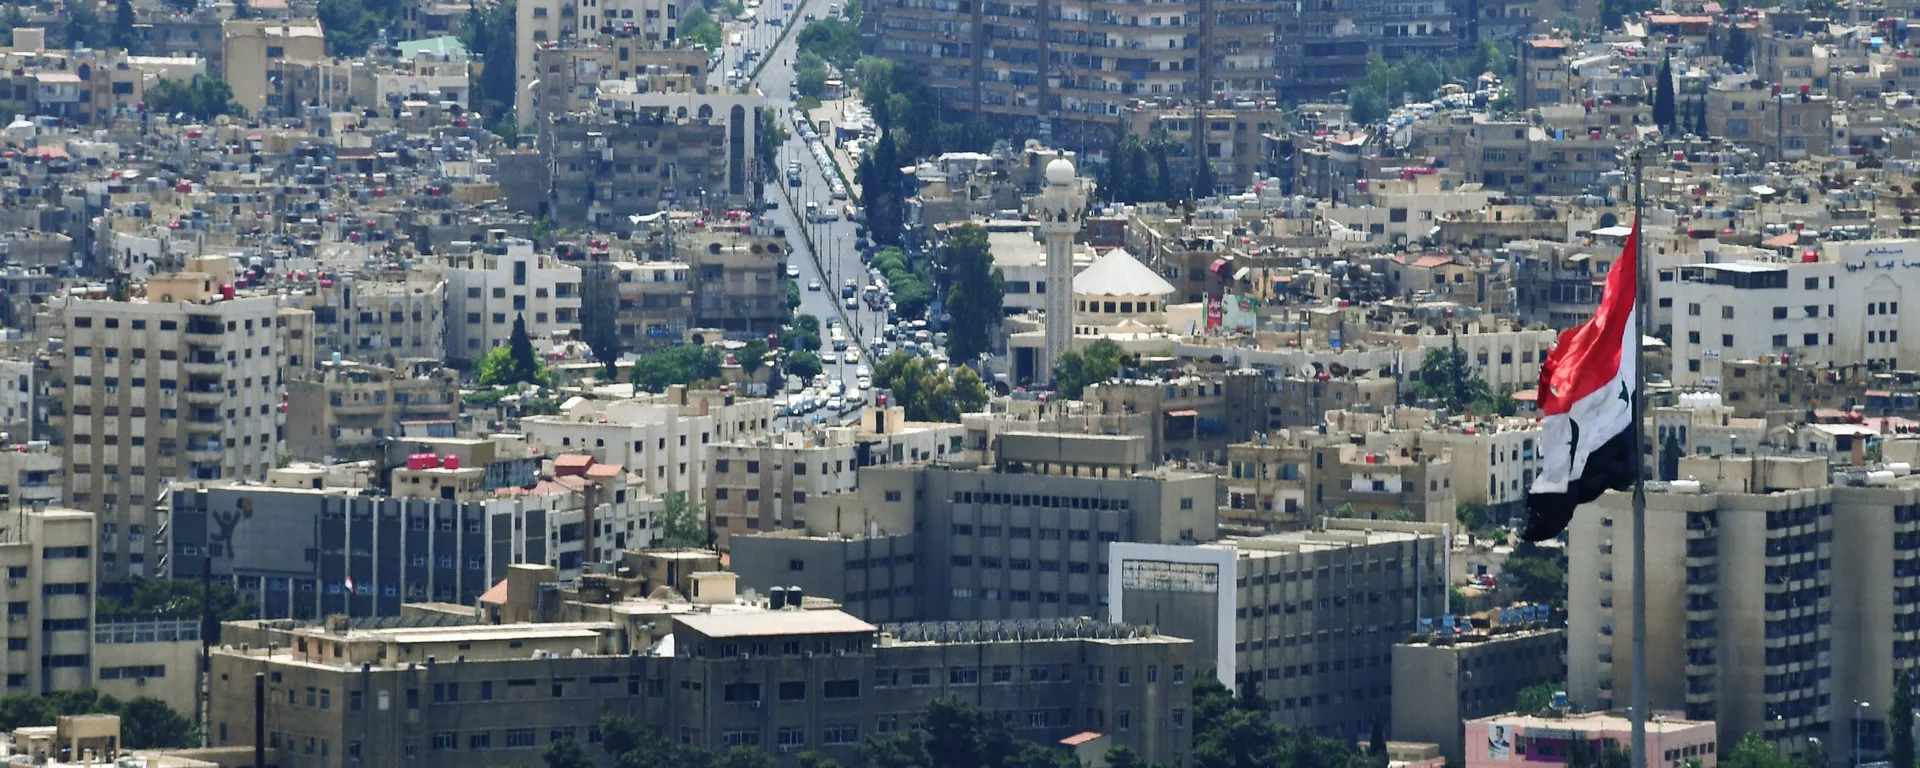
<point>1215,314</point>
<point>1163,576</point>
<point>1238,314</point>
<point>1499,742</point>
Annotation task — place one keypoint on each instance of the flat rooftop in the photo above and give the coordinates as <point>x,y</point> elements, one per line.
<point>772,623</point>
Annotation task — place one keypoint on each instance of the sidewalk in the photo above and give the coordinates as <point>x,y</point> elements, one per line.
<point>830,112</point>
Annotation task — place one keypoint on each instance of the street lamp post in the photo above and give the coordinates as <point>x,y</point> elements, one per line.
<point>1858,707</point>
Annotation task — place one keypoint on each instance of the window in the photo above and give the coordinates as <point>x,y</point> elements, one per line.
<point>481,740</point>
<point>841,689</point>
<point>795,690</point>
<point>445,740</point>
<point>963,676</point>
<point>520,738</point>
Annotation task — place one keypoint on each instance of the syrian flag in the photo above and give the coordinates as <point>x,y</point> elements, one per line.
<point>1586,395</point>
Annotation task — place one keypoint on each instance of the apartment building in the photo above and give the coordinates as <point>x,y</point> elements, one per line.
<point>1189,418</point>
<point>1841,311</point>
<point>32,476</point>
<point>602,167</point>
<point>1307,619</point>
<point>308,552</point>
<point>347,410</point>
<point>49,556</point>
<point>715,675</point>
<point>1441,681</point>
<point>763,484</point>
<point>1026,538</point>
<point>868,569</point>
<point>1546,73</point>
<point>380,318</point>
<point>1743,603</point>
<point>183,383</point>
<point>250,46</point>
<point>665,439</point>
<point>1323,47</point>
<point>646,304</point>
<point>1506,452</point>
<point>1782,125</point>
<point>570,75</point>
<point>738,274</point>
<point>620,24</point>
<point>507,281</point>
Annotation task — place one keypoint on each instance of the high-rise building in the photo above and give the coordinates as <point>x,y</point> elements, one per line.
<point>184,383</point>
<point>1308,619</point>
<point>1751,622</point>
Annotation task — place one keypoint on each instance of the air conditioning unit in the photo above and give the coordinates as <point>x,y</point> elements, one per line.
<point>785,748</point>
<point>808,654</point>
<point>755,704</point>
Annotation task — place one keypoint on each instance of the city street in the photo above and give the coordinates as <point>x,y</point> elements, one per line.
<point>838,258</point>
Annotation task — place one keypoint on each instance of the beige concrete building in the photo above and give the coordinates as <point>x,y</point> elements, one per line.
<point>765,484</point>
<point>382,318</point>
<point>1440,682</point>
<point>1308,619</point>
<point>347,410</point>
<point>49,557</point>
<point>715,673</point>
<point>1745,619</point>
<point>182,383</point>
<point>249,46</point>
<point>666,439</point>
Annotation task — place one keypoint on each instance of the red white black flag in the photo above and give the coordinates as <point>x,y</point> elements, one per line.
<point>1587,386</point>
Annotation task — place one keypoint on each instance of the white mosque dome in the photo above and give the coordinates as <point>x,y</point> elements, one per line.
<point>1060,172</point>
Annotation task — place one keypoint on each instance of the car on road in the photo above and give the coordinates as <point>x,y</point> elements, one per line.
<point>828,357</point>
<point>793,271</point>
<point>813,285</point>
<point>862,372</point>
<point>853,304</point>
<point>809,16</point>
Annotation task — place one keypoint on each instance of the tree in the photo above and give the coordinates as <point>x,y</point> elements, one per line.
<point>84,28</point>
<point>1445,375</point>
<point>805,365</point>
<point>1077,369</point>
<point>567,753</point>
<point>526,365</point>
<point>805,332</point>
<point>1537,574</point>
<point>1472,517</point>
<point>883,191</point>
<point>1365,106</point>
<point>148,723</point>
<point>1534,699</point>
<point>1203,183</point>
<point>683,523</point>
<point>1739,46</point>
<point>699,28</point>
<point>657,370</point>
<point>178,598</point>
<point>1751,752</point>
<point>835,40</point>
<point>927,393</point>
<point>975,292</point>
<point>1670,453</point>
<point>1664,114</point>
<point>202,98</point>
<point>810,75</point>
<point>1900,722</point>
<point>123,24</point>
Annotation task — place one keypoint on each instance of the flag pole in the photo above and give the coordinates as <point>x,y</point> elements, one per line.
<point>1639,711</point>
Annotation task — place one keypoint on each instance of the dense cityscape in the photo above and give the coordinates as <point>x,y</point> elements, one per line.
<point>957,383</point>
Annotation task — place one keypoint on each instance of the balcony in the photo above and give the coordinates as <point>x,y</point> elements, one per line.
<point>208,452</point>
<point>206,396</point>
<point>204,365</point>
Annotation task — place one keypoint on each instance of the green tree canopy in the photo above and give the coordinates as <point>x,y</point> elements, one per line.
<point>145,722</point>
<point>803,364</point>
<point>1447,376</point>
<point>810,75</point>
<point>657,370</point>
<point>805,329</point>
<point>1077,369</point>
<point>699,28</point>
<point>751,356</point>
<point>835,40</point>
<point>1536,574</point>
<point>1534,699</point>
<point>975,294</point>
<point>1665,112</point>
<point>683,523</point>
<point>202,98</point>
<point>926,392</point>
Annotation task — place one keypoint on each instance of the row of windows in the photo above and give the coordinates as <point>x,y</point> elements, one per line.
<point>1021,532</point>
<point>1023,564</point>
<point>990,595</point>
<point>1044,501</point>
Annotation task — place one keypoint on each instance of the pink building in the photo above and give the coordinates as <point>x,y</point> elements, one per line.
<point>1531,741</point>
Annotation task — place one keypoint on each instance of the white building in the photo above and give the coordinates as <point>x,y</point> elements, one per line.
<point>664,440</point>
<point>1843,310</point>
<point>488,289</point>
<point>183,383</point>
<point>653,24</point>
